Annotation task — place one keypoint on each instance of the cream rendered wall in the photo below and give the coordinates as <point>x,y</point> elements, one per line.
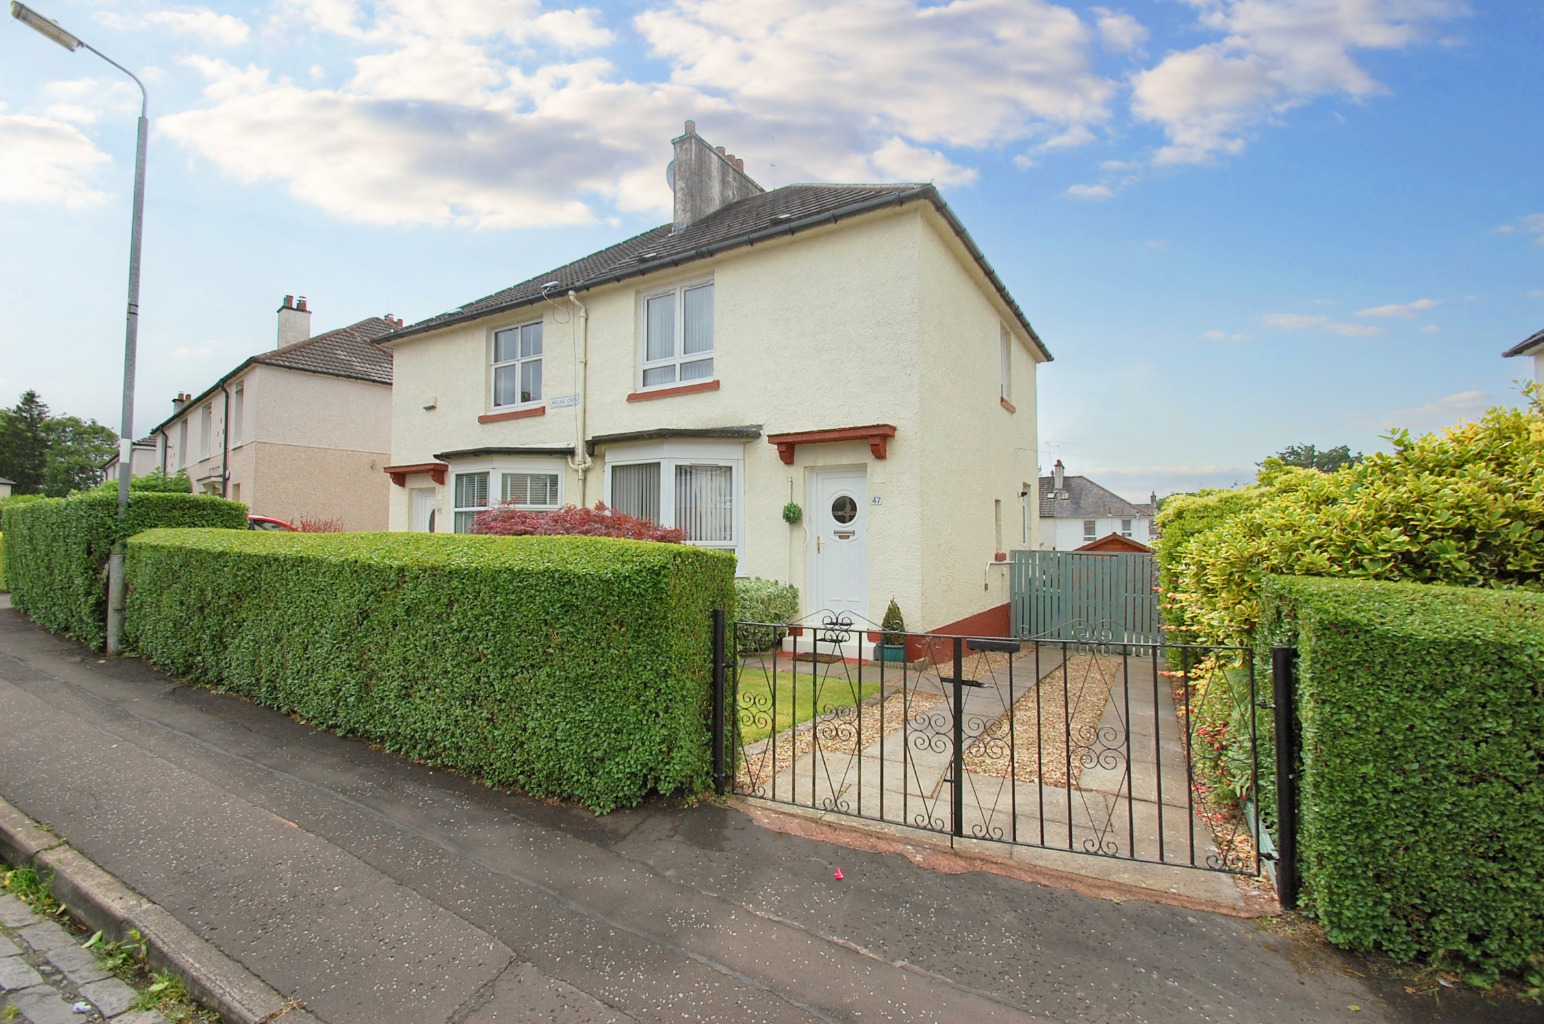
<point>816,332</point>
<point>976,452</point>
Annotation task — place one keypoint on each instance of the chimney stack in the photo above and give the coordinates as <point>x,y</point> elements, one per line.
<point>294,321</point>
<point>1058,476</point>
<point>705,178</point>
<point>182,399</point>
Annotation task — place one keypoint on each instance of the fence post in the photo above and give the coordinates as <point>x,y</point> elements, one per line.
<point>1283,682</point>
<point>720,776</point>
<point>959,737</point>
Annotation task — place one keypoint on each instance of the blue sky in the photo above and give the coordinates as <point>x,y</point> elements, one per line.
<point>1237,225</point>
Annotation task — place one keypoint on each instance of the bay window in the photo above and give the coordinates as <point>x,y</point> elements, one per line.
<point>697,488</point>
<point>536,488</point>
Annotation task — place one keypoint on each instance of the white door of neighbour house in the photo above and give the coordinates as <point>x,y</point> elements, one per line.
<point>838,545</point>
<point>423,510</point>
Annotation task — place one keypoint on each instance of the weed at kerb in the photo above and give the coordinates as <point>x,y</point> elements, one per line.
<point>26,885</point>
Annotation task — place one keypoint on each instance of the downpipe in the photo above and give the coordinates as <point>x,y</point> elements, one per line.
<point>580,462</point>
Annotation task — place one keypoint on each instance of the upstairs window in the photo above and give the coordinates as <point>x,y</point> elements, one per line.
<point>678,336</point>
<point>206,431</point>
<point>1125,527</point>
<point>1089,529</point>
<point>238,414</point>
<point>517,366</point>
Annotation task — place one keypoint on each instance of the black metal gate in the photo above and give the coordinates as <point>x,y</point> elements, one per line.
<point>1140,751</point>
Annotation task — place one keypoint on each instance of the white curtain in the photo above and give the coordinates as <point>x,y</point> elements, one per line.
<point>635,490</point>
<point>704,498</point>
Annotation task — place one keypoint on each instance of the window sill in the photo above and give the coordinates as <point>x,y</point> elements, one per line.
<point>1008,405</point>
<point>680,389</point>
<point>516,414</point>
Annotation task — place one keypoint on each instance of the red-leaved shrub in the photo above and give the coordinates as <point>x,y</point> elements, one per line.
<point>318,524</point>
<point>510,520</point>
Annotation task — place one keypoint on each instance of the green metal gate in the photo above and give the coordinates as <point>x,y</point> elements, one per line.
<point>1073,595</point>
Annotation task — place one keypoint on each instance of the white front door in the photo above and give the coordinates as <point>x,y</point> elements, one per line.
<point>423,510</point>
<point>838,546</point>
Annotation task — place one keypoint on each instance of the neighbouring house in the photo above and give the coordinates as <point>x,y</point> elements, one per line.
<point>300,431</point>
<point>1075,511</point>
<point>146,458</point>
<point>846,349</point>
<point>5,487</point>
<point>1533,346</point>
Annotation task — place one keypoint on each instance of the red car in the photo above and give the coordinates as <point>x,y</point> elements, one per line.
<point>268,523</point>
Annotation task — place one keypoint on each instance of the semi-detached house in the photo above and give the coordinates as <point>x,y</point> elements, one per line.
<point>843,348</point>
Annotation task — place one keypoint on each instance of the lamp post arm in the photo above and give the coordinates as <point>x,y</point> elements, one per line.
<point>144,97</point>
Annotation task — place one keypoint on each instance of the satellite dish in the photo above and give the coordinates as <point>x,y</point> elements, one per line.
<point>670,175</point>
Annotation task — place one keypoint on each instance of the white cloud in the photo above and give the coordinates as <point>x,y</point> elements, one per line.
<point>1077,135</point>
<point>44,160</point>
<point>1274,55</point>
<point>1505,229</point>
<point>214,29</point>
<point>1534,222</point>
<point>1537,293</point>
<point>1447,410</point>
<point>1353,330</point>
<point>1222,336</point>
<point>1024,162</point>
<point>1407,310</point>
<point>1088,192</point>
<point>1430,329</point>
<point>1119,32</point>
<point>505,113</point>
<point>1295,321</point>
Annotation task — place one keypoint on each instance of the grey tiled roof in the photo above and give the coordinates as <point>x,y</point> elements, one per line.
<point>347,352</point>
<point>1085,500</point>
<point>1526,346</point>
<point>782,211</point>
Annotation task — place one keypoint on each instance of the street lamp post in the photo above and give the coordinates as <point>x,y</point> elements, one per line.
<point>115,588</point>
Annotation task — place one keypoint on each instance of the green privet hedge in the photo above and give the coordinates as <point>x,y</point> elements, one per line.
<point>1422,798</point>
<point>57,550</point>
<point>1464,506</point>
<point>570,667</point>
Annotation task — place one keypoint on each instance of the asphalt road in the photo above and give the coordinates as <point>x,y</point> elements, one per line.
<point>373,889</point>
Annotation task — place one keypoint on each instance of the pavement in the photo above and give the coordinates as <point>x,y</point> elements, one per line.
<point>368,889</point>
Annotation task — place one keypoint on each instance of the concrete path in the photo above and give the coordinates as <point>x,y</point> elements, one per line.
<point>375,890</point>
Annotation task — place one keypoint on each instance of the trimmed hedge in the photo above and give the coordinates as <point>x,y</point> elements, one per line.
<point>1422,800</point>
<point>2,561</point>
<point>570,667</point>
<point>57,550</point>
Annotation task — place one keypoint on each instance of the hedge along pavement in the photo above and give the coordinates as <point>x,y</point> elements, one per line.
<point>57,549</point>
<point>1422,800</point>
<point>570,667</point>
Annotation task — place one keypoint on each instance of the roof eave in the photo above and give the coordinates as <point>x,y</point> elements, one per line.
<point>1532,345</point>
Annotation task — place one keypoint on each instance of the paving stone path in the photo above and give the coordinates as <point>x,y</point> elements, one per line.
<point>49,979</point>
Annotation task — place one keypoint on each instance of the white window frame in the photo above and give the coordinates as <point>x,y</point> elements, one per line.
<point>206,431</point>
<point>679,341</point>
<point>671,454</point>
<point>1005,364</point>
<point>519,362</point>
<point>1090,529</point>
<point>1127,526</point>
<point>496,470</point>
<point>238,415</point>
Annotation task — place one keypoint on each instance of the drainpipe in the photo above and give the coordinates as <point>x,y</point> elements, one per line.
<point>225,446</point>
<point>580,461</point>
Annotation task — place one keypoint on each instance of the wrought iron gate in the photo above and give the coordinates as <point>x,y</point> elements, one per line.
<point>1139,751</point>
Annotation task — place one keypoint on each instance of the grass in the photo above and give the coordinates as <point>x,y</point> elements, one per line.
<point>32,889</point>
<point>799,696</point>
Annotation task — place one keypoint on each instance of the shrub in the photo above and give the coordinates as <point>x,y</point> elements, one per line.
<point>511,520</point>
<point>894,625</point>
<point>57,550</point>
<point>2,562</point>
<point>572,667</point>
<point>1422,799</point>
<point>154,481</point>
<point>1461,507</point>
<point>764,601</point>
<point>318,524</point>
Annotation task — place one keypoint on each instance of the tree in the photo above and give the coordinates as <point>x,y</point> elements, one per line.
<point>1306,456</point>
<point>76,450</point>
<point>24,444</point>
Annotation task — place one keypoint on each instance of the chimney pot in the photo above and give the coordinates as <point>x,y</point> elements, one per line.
<point>289,301</point>
<point>719,150</point>
<point>301,304</point>
<point>691,128</point>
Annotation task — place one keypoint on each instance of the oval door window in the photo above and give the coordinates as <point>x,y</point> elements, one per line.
<point>844,509</point>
